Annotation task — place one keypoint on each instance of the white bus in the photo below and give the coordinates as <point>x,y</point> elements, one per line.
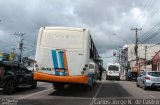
<point>63,55</point>
<point>113,71</point>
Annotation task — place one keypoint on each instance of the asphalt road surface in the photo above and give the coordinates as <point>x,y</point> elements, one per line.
<point>104,92</point>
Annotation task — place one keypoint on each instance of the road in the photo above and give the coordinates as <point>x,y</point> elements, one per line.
<point>44,94</point>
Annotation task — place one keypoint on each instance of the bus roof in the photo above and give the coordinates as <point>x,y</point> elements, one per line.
<point>64,28</point>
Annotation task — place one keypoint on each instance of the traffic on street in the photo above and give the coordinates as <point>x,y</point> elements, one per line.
<point>79,52</point>
<point>80,95</point>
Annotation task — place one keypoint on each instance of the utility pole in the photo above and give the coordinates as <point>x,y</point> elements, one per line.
<point>13,52</point>
<point>145,57</point>
<point>20,44</point>
<point>136,47</point>
<point>119,57</point>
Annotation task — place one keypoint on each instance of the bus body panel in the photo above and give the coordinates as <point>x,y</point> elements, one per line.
<point>62,52</point>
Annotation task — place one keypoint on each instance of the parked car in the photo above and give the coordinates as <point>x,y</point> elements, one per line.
<point>14,75</point>
<point>148,79</point>
<point>131,75</point>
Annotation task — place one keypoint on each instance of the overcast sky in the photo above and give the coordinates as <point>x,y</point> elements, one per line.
<point>103,18</point>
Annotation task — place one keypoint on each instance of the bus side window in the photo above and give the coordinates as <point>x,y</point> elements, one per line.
<point>93,51</point>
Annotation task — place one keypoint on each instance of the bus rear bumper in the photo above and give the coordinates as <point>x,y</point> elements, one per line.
<point>82,79</point>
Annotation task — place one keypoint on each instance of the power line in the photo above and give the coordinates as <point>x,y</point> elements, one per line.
<point>155,39</point>
<point>148,33</point>
<point>152,35</point>
<point>155,12</point>
<point>152,16</point>
<point>151,5</point>
<point>139,17</point>
<point>149,8</point>
<point>145,5</point>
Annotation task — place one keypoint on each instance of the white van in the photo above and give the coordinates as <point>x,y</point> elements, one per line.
<point>113,71</point>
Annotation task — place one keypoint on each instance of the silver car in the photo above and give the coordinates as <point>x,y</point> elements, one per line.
<point>148,79</point>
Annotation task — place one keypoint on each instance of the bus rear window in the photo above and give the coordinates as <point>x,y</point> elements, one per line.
<point>113,67</point>
<point>62,39</point>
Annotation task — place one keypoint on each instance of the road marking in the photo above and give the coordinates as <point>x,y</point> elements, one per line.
<point>92,102</point>
<point>36,93</point>
<point>151,96</point>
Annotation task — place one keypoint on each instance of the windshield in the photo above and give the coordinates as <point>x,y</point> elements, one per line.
<point>113,67</point>
<point>155,74</point>
<point>62,39</point>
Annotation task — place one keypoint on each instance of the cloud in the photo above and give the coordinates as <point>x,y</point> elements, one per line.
<point>102,17</point>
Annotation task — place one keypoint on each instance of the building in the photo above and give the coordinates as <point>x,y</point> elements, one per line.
<point>6,56</point>
<point>123,55</point>
<point>145,55</point>
<point>156,62</point>
<point>29,63</point>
